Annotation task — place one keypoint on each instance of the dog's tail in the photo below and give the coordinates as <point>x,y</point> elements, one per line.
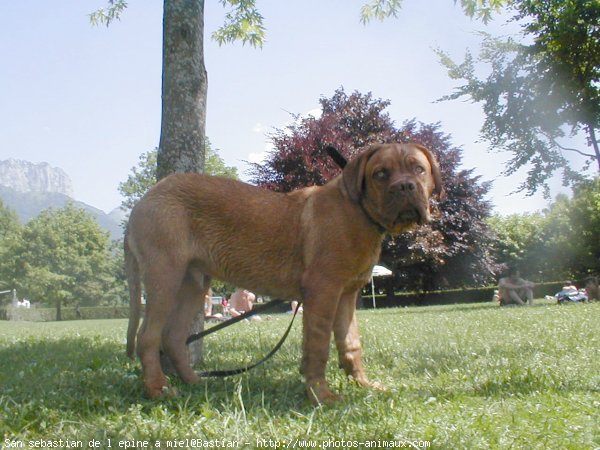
<point>132,269</point>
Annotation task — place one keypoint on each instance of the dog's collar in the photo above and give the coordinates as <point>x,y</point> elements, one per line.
<point>380,228</point>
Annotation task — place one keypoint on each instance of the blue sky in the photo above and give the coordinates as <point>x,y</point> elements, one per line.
<point>87,99</point>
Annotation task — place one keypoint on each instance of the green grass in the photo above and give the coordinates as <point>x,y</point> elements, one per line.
<point>474,376</point>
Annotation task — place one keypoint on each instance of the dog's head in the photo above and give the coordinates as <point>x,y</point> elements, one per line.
<point>393,184</point>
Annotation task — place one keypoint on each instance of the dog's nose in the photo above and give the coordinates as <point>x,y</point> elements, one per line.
<point>403,186</point>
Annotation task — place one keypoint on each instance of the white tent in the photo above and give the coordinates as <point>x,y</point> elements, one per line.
<point>378,271</point>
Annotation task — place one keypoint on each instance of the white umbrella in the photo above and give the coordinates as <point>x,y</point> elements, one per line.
<point>378,271</point>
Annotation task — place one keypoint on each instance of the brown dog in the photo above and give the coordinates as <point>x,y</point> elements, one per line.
<point>318,244</point>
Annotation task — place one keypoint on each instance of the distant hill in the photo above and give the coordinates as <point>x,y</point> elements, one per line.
<point>29,188</point>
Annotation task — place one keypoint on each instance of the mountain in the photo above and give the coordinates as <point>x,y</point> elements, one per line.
<point>24,176</point>
<point>29,188</point>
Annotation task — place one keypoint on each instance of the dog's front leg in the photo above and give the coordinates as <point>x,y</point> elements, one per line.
<point>347,340</point>
<point>320,304</point>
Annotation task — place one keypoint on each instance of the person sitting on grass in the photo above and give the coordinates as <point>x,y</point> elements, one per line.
<point>242,301</point>
<point>592,289</point>
<point>514,290</point>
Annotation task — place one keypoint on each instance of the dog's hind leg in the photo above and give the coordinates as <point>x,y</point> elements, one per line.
<point>190,303</point>
<point>163,281</point>
<point>135,298</point>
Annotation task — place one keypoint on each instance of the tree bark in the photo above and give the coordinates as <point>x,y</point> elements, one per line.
<point>58,310</point>
<point>594,141</point>
<point>184,90</point>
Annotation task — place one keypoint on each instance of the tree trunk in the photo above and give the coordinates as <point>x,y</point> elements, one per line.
<point>58,310</point>
<point>594,141</point>
<point>184,88</point>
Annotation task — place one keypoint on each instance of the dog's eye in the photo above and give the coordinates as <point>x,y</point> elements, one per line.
<point>381,175</point>
<point>420,170</point>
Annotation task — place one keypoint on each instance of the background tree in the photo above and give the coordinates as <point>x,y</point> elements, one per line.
<point>449,252</point>
<point>139,181</point>
<point>63,258</point>
<point>9,224</point>
<point>539,94</point>
<point>560,243</point>
<point>143,176</point>
<point>299,159</point>
<point>10,233</point>
<point>556,257</point>
<point>585,219</point>
<point>518,243</point>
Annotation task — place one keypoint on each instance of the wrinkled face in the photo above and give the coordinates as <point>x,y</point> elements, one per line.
<point>393,183</point>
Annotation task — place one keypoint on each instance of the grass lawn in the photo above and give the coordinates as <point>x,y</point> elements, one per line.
<point>472,377</point>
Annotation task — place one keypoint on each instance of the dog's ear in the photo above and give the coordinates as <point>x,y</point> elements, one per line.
<point>435,171</point>
<point>354,173</point>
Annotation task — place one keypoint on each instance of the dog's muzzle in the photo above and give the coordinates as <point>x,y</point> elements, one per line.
<point>409,202</point>
<point>413,215</point>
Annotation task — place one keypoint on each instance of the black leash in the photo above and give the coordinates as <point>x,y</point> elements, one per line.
<point>225,324</point>
<point>252,312</point>
<point>336,156</point>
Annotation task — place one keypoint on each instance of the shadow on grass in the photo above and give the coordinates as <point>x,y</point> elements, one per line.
<point>67,373</point>
<point>82,378</point>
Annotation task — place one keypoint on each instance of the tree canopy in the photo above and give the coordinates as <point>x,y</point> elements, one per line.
<point>539,94</point>
<point>60,257</point>
<point>383,9</point>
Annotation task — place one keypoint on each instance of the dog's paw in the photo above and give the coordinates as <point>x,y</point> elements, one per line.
<point>190,377</point>
<point>319,394</point>
<point>364,381</point>
<point>377,386</point>
<point>160,392</point>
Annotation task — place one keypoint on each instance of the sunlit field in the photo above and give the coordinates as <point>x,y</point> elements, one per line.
<point>475,376</point>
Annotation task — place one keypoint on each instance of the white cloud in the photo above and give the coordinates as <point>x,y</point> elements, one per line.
<point>315,113</point>
<point>260,157</point>
<point>259,128</point>
<point>257,157</point>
